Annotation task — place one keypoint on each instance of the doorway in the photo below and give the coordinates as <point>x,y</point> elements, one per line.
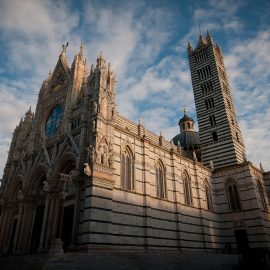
<point>37,227</point>
<point>67,226</point>
<point>241,240</point>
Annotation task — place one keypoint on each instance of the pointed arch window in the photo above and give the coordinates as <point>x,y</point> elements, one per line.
<point>233,196</point>
<point>127,170</point>
<point>187,189</point>
<point>262,197</point>
<point>208,196</point>
<point>161,181</point>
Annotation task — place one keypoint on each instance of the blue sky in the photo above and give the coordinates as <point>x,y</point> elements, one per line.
<point>145,41</point>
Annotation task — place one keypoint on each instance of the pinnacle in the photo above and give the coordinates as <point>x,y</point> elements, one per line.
<point>81,54</point>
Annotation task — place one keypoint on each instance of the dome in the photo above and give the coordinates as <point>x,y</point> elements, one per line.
<point>187,138</point>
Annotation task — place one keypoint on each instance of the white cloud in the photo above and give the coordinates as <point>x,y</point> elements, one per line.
<point>133,37</point>
<point>248,64</point>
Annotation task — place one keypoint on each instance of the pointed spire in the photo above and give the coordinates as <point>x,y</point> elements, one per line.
<point>49,75</point>
<point>92,69</point>
<point>64,49</point>
<point>81,54</point>
<point>261,167</point>
<point>63,59</point>
<point>100,61</point>
<point>189,47</point>
<point>202,42</point>
<point>29,113</point>
<point>209,38</point>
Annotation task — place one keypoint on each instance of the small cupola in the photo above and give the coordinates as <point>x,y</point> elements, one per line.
<point>186,123</point>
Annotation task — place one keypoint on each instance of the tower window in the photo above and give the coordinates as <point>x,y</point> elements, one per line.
<point>201,56</point>
<point>209,103</point>
<point>215,136</point>
<point>237,137</point>
<point>212,120</point>
<point>206,88</point>
<point>204,73</point>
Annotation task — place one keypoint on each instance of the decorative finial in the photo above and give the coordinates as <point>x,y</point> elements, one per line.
<point>194,155</point>
<point>81,51</point>
<point>261,167</point>
<point>211,165</point>
<point>244,156</point>
<point>64,48</point>
<point>184,110</point>
<point>200,29</point>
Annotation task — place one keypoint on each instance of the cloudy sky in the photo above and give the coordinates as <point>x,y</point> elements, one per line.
<point>145,41</point>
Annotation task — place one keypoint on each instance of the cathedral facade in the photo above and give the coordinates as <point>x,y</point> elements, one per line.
<point>80,176</point>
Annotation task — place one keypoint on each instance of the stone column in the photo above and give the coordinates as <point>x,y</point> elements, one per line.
<point>5,226</point>
<point>19,225</point>
<point>56,246</point>
<point>77,183</point>
<point>59,195</point>
<point>43,246</point>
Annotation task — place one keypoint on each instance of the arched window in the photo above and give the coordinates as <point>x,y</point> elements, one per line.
<point>161,181</point>
<point>127,170</point>
<point>233,196</point>
<point>208,196</point>
<point>262,197</point>
<point>187,189</point>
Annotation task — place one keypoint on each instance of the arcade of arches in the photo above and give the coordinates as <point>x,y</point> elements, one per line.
<point>42,211</point>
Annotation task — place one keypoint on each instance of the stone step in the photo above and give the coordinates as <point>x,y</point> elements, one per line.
<point>119,261</point>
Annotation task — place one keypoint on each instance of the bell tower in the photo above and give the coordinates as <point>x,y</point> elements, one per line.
<point>220,135</point>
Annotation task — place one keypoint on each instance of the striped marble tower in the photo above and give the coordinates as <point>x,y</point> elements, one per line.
<point>220,135</point>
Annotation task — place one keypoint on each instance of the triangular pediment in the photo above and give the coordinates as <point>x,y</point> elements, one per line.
<point>60,75</point>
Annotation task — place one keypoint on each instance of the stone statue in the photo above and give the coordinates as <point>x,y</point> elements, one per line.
<point>20,195</point>
<point>45,186</point>
<point>94,125</point>
<point>91,153</point>
<point>98,156</point>
<point>95,107</point>
<point>194,155</point>
<point>105,157</point>
<point>110,159</point>
<point>87,169</point>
